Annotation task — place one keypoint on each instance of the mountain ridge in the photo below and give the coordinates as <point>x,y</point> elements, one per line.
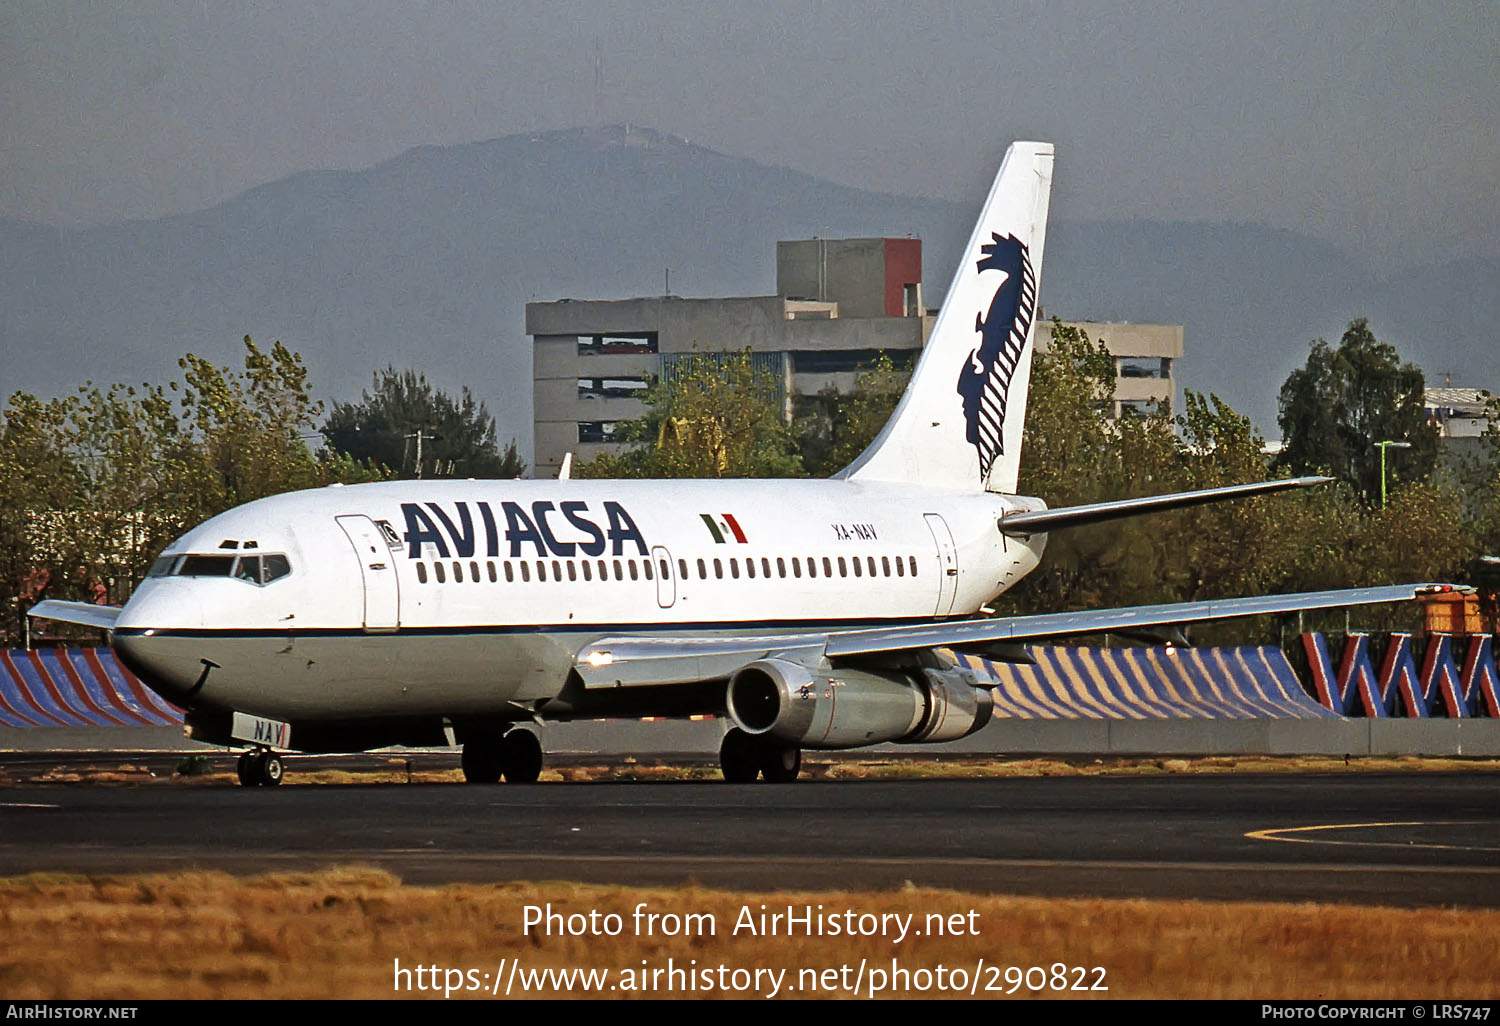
<point>426,260</point>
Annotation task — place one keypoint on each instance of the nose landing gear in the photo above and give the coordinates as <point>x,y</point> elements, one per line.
<point>259,768</point>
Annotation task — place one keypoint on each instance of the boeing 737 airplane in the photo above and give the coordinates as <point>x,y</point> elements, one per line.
<point>813,614</point>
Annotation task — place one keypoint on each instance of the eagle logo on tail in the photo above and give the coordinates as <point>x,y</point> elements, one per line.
<point>985,379</point>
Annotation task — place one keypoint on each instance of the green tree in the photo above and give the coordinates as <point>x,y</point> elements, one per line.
<point>1343,401</point>
<point>94,485</point>
<point>833,428</point>
<point>405,415</point>
<point>713,416</point>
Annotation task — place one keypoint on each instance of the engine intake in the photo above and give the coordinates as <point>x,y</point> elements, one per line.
<point>848,708</point>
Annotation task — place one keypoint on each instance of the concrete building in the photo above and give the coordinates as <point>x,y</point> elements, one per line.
<point>1145,361</point>
<point>1461,416</point>
<point>839,304</point>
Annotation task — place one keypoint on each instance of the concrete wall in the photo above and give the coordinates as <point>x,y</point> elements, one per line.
<point>1469,738</point>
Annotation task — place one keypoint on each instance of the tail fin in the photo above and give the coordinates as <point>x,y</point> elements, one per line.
<point>959,423</point>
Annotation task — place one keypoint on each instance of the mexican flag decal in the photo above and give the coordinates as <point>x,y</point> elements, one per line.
<point>723,527</point>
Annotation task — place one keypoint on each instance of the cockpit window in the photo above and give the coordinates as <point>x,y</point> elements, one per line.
<point>257,569</point>
<point>262,569</point>
<point>206,566</point>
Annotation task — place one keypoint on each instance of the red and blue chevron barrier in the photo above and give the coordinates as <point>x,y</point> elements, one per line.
<point>87,687</point>
<point>1440,689</point>
<point>1160,682</point>
<point>76,687</point>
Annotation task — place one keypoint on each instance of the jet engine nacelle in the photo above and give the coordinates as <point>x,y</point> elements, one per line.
<point>847,708</point>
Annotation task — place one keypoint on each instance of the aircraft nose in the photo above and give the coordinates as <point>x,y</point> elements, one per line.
<point>173,667</point>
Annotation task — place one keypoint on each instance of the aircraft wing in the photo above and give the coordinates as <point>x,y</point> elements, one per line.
<point>628,661</point>
<point>85,613</point>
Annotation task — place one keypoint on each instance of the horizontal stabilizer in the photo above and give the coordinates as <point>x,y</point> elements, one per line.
<point>1044,520</point>
<point>85,613</point>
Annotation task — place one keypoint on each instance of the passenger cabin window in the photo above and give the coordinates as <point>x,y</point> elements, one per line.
<point>437,568</point>
<point>421,573</point>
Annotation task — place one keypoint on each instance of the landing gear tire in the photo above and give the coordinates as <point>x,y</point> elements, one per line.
<point>483,759</point>
<point>269,769</point>
<point>243,771</point>
<point>522,757</point>
<point>739,757</point>
<point>779,764</point>
<point>259,769</point>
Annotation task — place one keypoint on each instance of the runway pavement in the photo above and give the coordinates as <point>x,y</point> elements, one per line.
<point>1410,839</point>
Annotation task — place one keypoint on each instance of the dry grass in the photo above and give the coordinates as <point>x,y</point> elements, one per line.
<point>336,934</point>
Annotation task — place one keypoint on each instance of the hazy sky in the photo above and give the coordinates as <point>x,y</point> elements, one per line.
<point>1368,124</point>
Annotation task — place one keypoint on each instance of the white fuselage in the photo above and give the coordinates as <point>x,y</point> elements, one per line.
<point>473,597</point>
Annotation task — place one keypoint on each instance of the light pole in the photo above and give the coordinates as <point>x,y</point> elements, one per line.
<point>1383,447</point>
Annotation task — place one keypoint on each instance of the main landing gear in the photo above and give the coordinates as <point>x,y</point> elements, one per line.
<point>260,768</point>
<point>743,757</point>
<point>515,755</point>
